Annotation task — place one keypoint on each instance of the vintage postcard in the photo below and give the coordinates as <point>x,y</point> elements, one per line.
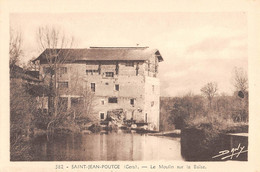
<point>144,86</point>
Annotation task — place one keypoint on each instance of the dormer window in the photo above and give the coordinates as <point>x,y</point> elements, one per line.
<point>109,74</point>
<point>91,72</point>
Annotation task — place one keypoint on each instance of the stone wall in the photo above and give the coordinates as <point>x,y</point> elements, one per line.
<point>152,101</point>
<point>136,89</point>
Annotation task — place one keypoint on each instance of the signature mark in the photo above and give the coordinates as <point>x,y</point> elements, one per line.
<point>234,152</point>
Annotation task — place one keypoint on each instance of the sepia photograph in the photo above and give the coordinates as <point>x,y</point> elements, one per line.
<point>133,86</point>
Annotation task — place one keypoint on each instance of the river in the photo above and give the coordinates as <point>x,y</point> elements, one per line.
<point>114,146</point>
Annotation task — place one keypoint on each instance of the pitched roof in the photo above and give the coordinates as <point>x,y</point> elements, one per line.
<point>104,54</point>
<point>18,72</point>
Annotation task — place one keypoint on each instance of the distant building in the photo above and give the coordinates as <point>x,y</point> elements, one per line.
<point>119,77</point>
<point>26,85</point>
<point>19,74</point>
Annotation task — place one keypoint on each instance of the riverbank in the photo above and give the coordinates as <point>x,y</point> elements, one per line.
<point>173,133</point>
<point>96,127</point>
<point>205,142</point>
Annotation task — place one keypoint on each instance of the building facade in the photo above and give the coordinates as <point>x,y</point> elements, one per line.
<point>119,78</point>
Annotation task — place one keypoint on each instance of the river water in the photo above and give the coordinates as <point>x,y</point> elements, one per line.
<point>114,146</point>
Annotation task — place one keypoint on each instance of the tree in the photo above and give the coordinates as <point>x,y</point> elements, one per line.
<point>240,79</point>
<point>22,103</point>
<point>80,110</point>
<point>15,48</point>
<point>186,108</point>
<point>22,108</point>
<point>31,65</point>
<point>52,41</point>
<point>210,91</point>
<point>240,82</point>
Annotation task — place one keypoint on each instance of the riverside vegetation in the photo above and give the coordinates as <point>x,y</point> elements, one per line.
<point>224,114</point>
<point>211,112</point>
<point>206,118</point>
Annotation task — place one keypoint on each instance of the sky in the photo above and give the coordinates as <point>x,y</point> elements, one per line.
<point>197,47</point>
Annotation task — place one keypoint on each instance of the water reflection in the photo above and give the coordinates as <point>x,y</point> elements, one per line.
<point>105,147</point>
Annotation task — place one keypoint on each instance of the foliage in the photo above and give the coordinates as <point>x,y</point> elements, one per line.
<point>240,80</point>
<point>15,48</point>
<point>210,91</point>
<point>192,111</point>
<point>95,128</point>
<point>185,107</point>
<point>41,120</point>
<point>19,150</point>
<point>165,112</point>
<point>22,108</point>
<point>54,40</point>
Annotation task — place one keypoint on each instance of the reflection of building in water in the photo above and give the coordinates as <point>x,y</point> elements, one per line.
<point>119,77</point>
<point>106,147</point>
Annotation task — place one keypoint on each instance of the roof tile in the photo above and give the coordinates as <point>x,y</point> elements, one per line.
<point>104,53</point>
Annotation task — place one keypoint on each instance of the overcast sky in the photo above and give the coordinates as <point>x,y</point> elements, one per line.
<point>197,47</point>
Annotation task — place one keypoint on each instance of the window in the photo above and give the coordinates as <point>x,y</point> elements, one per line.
<point>63,84</point>
<point>102,102</point>
<point>109,74</point>
<point>156,68</point>
<point>131,64</point>
<point>132,101</point>
<point>102,115</point>
<point>153,88</point>
<point>91,72</point>
<point>117,87</point>
<point>99,68</point>
<point>117,68</point>
<point>63,70</point>
<point>93,87</point>
<point>112,100</point>
<point>152,103</point>
<point>137,69</point>
<point>148,66</point>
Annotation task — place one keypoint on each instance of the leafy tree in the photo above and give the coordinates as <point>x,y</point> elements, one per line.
<point>184,108</point>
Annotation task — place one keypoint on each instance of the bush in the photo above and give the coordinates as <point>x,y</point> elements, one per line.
<point>212,124</point>
<point>95,128</point>
<point>224,112</point>
<point>20,150</point>
<point>184,108</point>
<point>41,120</point>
